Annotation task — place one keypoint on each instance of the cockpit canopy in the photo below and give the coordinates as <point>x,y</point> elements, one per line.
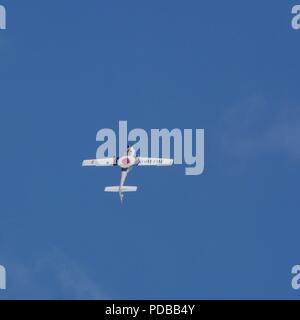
<point>130,151</point>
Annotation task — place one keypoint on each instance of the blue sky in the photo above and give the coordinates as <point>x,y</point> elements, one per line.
<point>70,68</point>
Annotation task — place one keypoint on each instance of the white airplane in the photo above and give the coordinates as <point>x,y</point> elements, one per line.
<point>126,163</point>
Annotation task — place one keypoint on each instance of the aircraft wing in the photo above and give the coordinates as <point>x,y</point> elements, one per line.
<point>101,162</point>
<point>142,161</point>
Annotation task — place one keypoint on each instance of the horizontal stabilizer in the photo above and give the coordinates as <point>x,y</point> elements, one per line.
<point>122,189</point>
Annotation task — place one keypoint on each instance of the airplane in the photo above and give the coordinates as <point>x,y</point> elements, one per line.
<point>127,162</point>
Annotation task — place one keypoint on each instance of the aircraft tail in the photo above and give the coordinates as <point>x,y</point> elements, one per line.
<point>120,190</point>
